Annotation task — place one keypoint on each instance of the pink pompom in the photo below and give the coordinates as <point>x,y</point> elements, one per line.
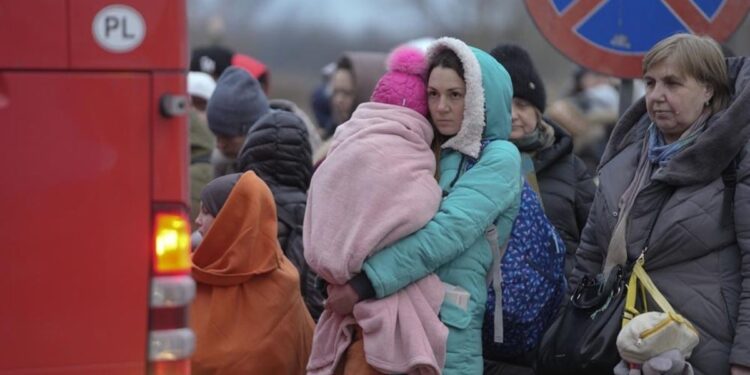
<point>407,60</point>
<point>403,84</point>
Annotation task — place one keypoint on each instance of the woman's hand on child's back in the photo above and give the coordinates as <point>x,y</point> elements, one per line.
<point>341,299</point>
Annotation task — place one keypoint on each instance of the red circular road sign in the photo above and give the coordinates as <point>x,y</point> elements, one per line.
<point>611,36</point>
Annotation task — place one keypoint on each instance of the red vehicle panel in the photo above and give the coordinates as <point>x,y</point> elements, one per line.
<point>76,288</point>
<point>95,235</point>
<point>170,183</point>
<point>27,34</point>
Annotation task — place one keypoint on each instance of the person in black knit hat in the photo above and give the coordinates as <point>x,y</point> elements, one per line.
<point>527,84</point>
<point>560,178</point>
<point>212,60</point>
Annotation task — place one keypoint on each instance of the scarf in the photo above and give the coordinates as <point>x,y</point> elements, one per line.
<point>540,138</point>
<point>660,152</point>
<point>617,251</point>
<point>655,152</point>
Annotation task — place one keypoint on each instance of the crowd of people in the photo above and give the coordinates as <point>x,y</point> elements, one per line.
<point>378,235</point>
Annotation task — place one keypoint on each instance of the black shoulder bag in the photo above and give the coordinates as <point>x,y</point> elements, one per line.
<point>583,338</point>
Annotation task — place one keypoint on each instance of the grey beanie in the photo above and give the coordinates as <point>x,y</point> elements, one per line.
<point>237,102</point>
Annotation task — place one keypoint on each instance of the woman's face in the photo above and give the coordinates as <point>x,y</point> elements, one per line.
<point>524,118</point>
<point>204,221</point>
<point>674,100</point>
<point>445,97</point>
<point>342,97</point>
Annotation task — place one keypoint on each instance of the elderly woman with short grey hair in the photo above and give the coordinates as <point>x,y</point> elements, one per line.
<point>677,165</point>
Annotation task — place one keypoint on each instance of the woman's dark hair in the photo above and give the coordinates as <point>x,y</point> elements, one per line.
<point>344,63</point>
<point>446,58</point>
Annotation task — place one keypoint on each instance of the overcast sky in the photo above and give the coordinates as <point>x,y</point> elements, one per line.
<point>355,17</point>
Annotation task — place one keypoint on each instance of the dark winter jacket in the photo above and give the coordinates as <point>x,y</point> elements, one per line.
<point>567,189</point>
<point>277,149</point>
<point>699,252</point>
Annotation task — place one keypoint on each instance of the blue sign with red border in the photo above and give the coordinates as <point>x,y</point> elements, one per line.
<point>611,36</point>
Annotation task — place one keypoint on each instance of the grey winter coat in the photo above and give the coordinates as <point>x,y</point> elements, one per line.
<point>699,252</point>
<point>567,189</point>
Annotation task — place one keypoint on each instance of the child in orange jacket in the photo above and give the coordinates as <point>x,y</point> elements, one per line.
<point>248,314</point>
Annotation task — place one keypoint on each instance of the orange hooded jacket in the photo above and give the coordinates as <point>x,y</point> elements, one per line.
<point>248,314</point>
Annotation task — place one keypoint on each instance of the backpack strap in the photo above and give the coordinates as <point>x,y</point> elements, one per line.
<point>495,278</point>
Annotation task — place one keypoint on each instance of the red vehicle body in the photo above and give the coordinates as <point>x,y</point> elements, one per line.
<point>94,235</point>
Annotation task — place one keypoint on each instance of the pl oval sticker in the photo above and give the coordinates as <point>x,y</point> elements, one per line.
<point>118,28</point>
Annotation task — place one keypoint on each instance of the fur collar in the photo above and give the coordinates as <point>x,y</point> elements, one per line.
<point>468,140</point>
<point>727,134</point>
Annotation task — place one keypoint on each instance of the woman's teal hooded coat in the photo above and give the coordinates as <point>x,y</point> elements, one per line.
<point>453,243</point>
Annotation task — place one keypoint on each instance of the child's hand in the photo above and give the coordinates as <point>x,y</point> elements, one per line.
<point>341,299</point>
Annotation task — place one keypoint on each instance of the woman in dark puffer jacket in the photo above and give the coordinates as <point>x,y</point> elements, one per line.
<point>277,149</point>
<point>564,184</point>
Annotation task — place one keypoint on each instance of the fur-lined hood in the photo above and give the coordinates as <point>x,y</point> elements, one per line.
<point>489,93</point>
<point>727,133</point>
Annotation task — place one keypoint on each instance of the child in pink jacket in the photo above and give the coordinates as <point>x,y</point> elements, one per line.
<point>377,185</point>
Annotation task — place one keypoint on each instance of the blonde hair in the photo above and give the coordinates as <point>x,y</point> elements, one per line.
<point>699,57</point>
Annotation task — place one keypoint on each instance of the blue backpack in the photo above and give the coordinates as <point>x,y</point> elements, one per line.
<point>533,280</point>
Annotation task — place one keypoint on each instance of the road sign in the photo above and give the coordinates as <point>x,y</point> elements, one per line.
<point>611,36</point>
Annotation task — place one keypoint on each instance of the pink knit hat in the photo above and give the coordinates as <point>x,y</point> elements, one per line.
<point>403,84</point>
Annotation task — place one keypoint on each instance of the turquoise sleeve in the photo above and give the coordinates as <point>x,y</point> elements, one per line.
<point>477,198</point>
